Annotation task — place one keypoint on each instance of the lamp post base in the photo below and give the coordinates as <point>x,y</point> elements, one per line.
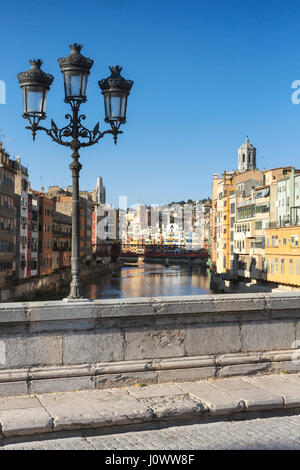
<point>75,291</point>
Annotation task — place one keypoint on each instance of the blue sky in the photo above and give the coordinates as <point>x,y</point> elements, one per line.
<point>206,74</point>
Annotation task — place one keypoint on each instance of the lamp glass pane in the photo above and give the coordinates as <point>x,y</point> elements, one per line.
<point>106,105</point>
<point>115,105</point>
<point>75,84</point>
<point>44,100</point>
<point>34,99</point>
<point>84,84</point>
<point>24,99</point>
<point>123,107</point>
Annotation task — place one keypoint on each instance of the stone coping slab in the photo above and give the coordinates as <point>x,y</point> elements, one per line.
<point>60,310</point>
<point>45,413</point>
<point>283,386</point>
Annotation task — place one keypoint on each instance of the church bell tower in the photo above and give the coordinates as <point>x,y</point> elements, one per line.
<point>246,157</point>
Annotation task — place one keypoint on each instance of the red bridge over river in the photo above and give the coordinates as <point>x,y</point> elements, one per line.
<point>150,251</point>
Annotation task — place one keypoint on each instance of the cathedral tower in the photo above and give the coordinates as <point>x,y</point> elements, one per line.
<point>246,157</point>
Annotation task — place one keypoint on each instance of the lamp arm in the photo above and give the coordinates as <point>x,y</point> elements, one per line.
<point>95,138</point>
<point>74,129</point>
<point>55,133</point>
<point>95,135</point>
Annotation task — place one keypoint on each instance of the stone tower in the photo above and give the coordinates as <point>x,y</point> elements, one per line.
<point>246,157</point>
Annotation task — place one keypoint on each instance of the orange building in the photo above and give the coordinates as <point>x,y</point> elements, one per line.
<point>282,255</point>
<point>62,240</point>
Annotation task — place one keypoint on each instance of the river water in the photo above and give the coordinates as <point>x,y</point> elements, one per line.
<point>149,280</point>
<point>137,280</point>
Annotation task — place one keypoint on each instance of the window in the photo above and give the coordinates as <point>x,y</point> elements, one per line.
<point>262,209</point>
<point>290,266</point>
<point>298,267</point>
<point>282,266</point>
<point>284,241</point>
<point>246,212</point>
<point>276,265</point>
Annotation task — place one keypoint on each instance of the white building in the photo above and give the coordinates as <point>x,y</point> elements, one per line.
<point>106,223</point>
<point>21,188</point>
<point>99,193</point>
<point>34,235</point>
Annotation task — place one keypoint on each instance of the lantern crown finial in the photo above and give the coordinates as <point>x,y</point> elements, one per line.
<point>35,75</point>
<point>37,63</point>
<point>115,81</point>
<point>115,69</point>
<point>75,59</point>
<point>75,47</point>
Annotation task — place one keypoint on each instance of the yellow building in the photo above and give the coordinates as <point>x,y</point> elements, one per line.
<point>282,255</point>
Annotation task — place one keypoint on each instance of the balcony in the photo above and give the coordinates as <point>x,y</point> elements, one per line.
<point>249,202</point>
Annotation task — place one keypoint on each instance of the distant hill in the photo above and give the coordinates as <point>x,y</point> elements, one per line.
<point>190,201</point>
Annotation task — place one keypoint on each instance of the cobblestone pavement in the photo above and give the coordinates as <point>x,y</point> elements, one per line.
<point>256,434</point>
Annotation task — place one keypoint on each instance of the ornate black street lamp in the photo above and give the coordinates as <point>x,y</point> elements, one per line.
<point>75,68</point>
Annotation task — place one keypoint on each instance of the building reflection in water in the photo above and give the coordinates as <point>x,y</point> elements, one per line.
<point>150,280</point>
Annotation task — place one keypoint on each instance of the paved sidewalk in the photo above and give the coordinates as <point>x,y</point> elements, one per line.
<point>275,433</point>
<point>156,405</point>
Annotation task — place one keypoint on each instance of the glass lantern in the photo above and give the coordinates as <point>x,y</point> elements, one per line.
<point>35,85</point>
<point>75,69</point>
<point>115,90</point>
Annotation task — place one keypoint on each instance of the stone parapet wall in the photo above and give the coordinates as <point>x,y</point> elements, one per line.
<point>60,345</point>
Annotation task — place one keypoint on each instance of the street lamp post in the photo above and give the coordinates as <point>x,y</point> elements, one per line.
<point>35,85</point>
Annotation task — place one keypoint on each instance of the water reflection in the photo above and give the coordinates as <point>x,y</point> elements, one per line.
<point>149,280</point>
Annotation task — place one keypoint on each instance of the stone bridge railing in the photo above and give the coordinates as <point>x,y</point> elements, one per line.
<point>76,345</point>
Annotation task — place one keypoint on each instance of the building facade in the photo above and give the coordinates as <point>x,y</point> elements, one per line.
<point>45,235</point>
<point>254,222</point>
<point>9,209</point>
<point>21,188</point>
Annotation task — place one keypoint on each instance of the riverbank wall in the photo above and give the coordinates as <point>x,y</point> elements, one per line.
<point>221,285</point>
<point>42,286</point>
